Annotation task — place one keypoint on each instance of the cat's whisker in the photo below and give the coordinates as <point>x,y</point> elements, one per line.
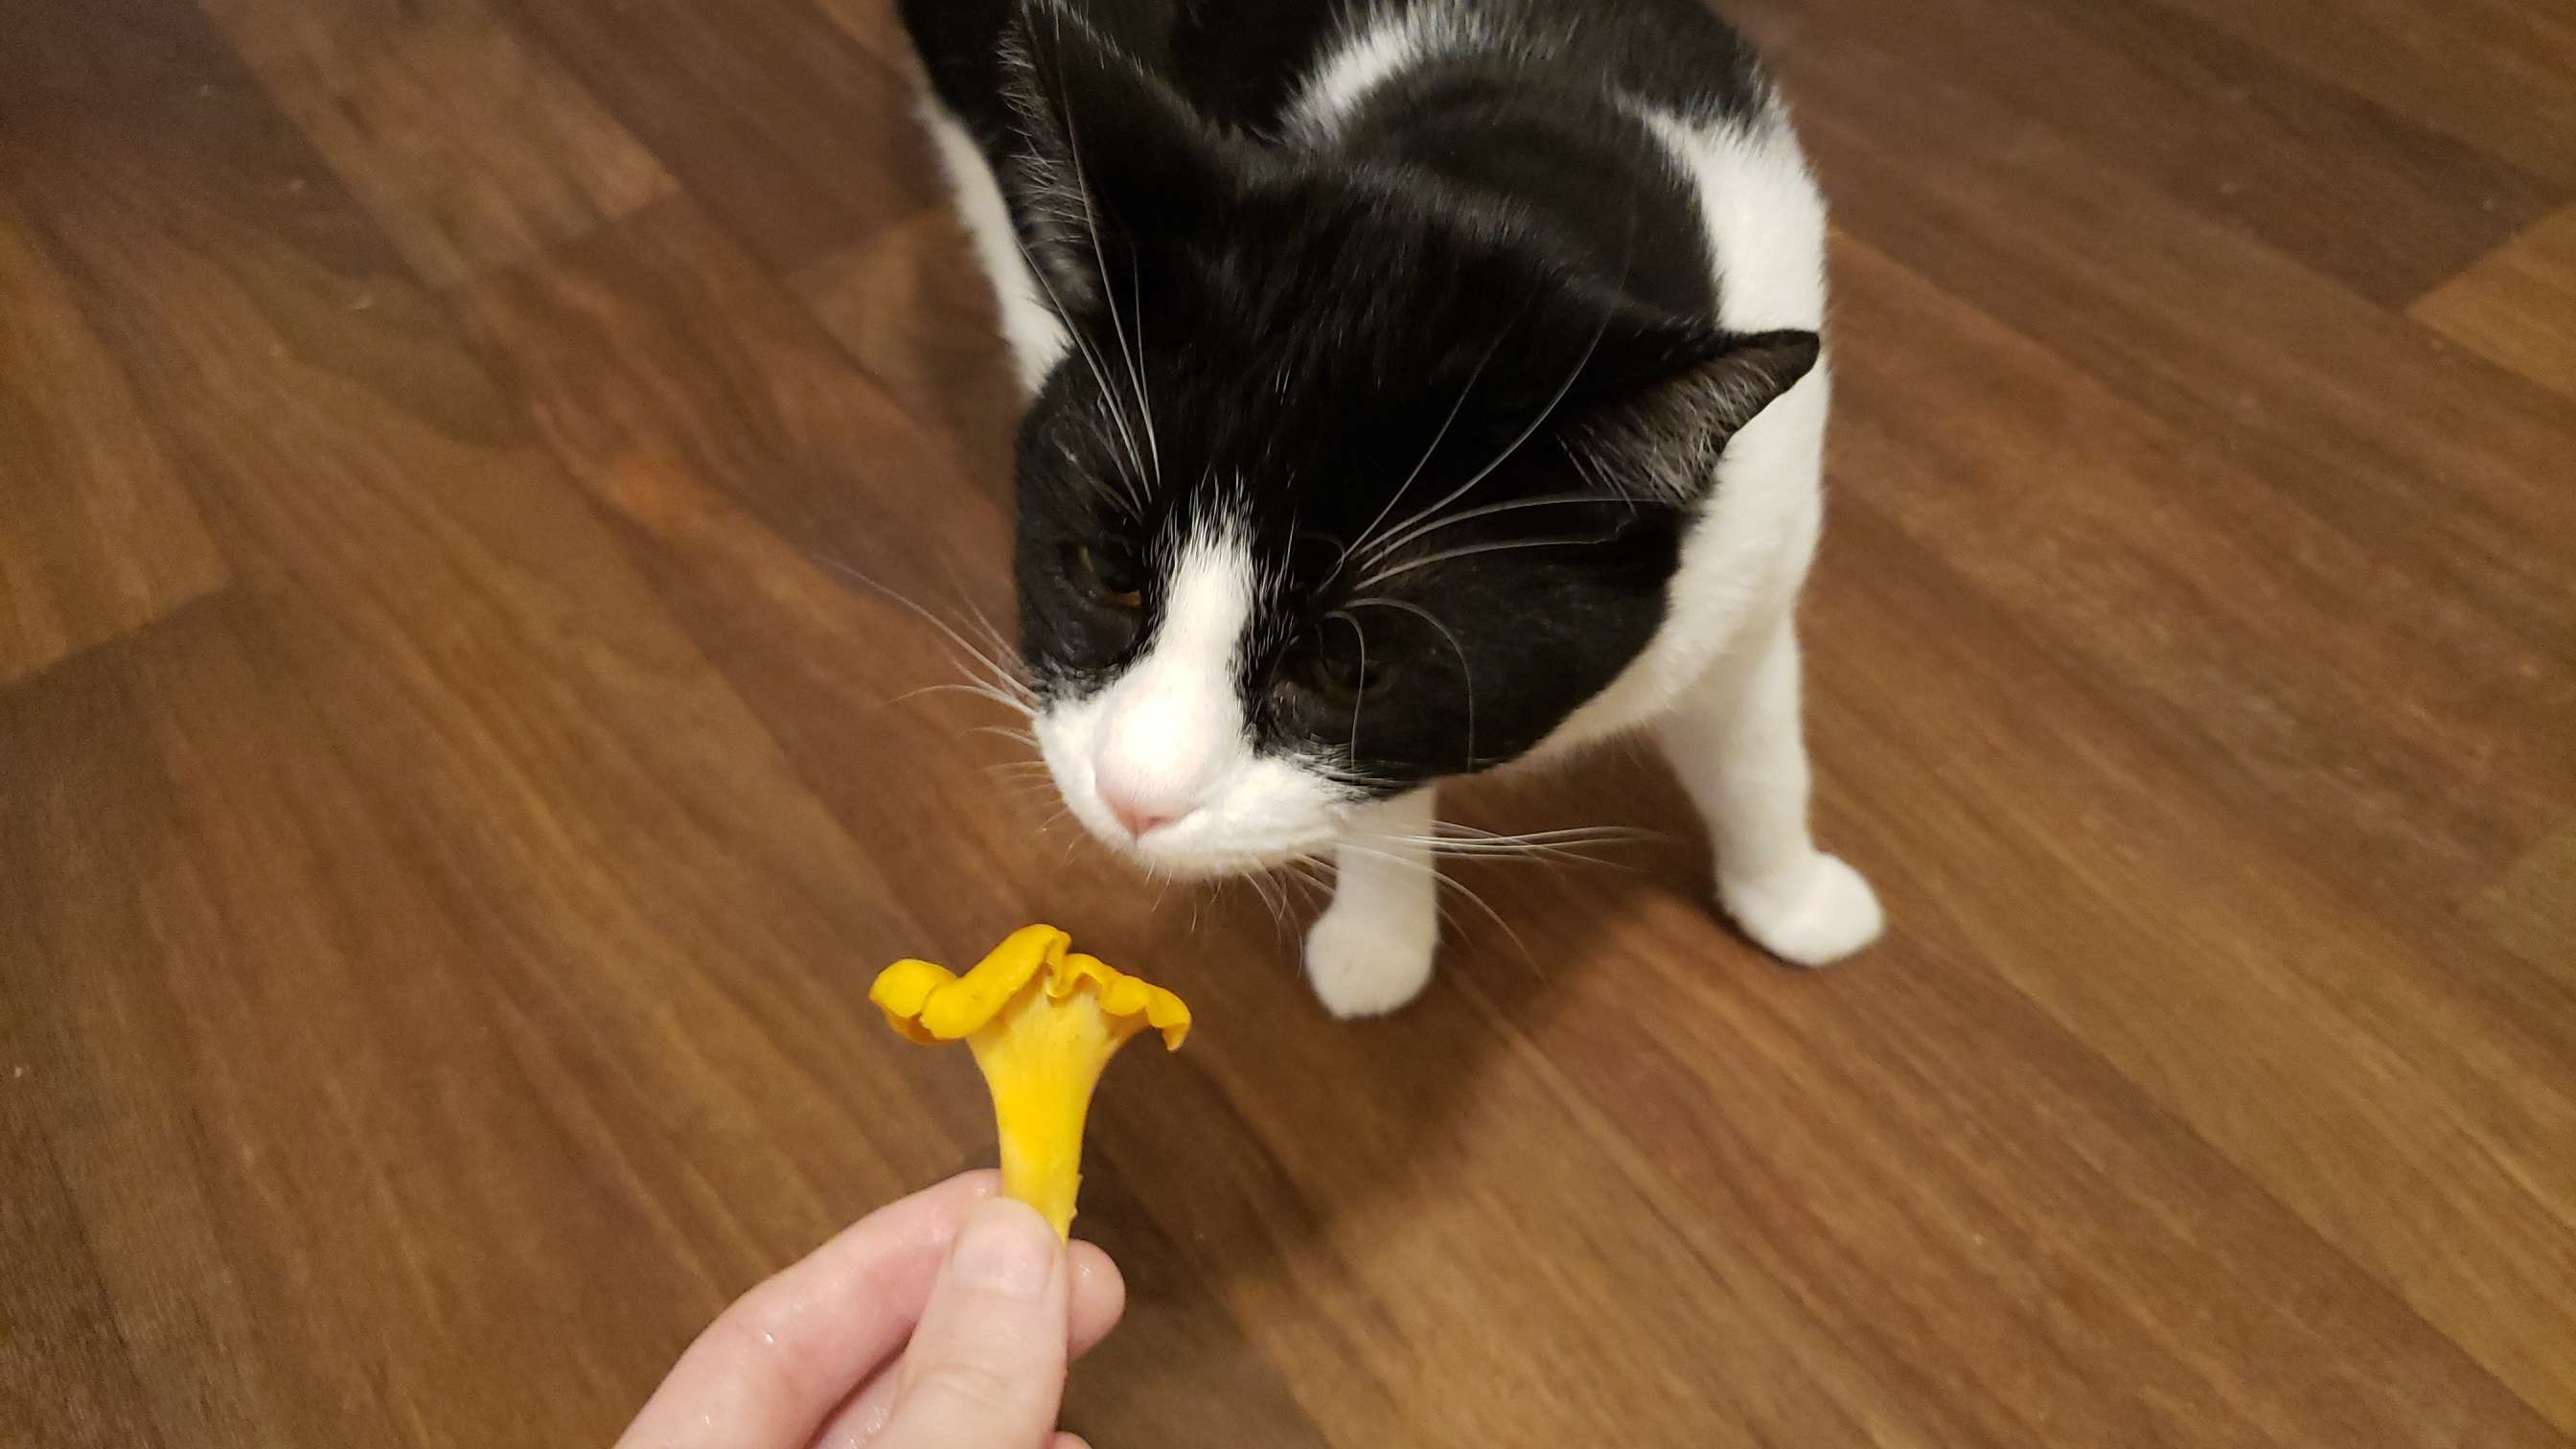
<point>1090,357</point>
<point>1573,834</point>
<point>994,673</point>
<point>1389,545</point>
<point>1308,871</point>
<point>1465,670</point>
<point>1472,550</point>
<point>1341,550</point>
<point>1144,396</point>
<point>1362,634</point>
<point>1540,852</point>
<point>1437,438</point>
<point>1273,899</point>
<point>977,689</point>
<point>1439,880</point>
<point>995,680</point>
<point>1583,469</point>
<point>1028,797</point>
<point>985,628</point>
<point>1091,232</point>
<point>1563,391</point>
<point>1576,848</point>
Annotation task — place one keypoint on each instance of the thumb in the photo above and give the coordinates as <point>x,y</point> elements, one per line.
<point>986,1366</point>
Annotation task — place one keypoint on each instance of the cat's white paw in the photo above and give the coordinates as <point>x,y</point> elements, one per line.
<point>1812,915</point>
<point>1368,961</point>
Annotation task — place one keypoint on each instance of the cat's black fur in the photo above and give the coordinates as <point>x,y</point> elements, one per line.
<point>1486,254</point>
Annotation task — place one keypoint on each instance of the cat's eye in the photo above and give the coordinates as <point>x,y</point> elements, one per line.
<point>1345,674</point>
<point>1105,575</point>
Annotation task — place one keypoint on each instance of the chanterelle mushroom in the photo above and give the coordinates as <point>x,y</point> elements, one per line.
<point>1042,1021</point>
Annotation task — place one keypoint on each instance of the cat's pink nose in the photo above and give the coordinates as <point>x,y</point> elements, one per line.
<point>1158,752</point>
<point>1139,819</point>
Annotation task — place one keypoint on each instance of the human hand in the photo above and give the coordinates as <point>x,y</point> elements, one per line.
<point>944,1321</point>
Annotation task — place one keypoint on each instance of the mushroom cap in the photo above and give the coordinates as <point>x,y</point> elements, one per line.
<point>928,1003</point>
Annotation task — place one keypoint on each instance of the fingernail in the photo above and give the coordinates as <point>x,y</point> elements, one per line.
<point>1006,1248</point>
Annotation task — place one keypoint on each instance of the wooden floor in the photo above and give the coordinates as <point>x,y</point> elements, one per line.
<point>452,796</point>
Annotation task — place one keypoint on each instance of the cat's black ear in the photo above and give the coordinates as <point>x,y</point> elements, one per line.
<point>1657,403</point>
<point>1116,159</point>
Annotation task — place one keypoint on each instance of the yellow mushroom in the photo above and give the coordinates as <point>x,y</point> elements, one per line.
<point>1042,1021</point>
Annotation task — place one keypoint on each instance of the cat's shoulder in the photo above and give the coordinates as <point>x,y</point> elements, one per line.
<point>1676,56</point>
<point>1699,89</point>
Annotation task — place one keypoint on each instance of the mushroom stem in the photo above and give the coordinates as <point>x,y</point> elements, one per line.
<point>1043,1023</point>
<point>1040,1103</point>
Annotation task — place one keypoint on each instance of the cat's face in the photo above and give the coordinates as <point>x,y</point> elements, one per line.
<point>1338,492</point>
<point>1236,647</point>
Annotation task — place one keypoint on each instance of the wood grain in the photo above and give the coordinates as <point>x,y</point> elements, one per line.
<point>1859,1143</point>
<point>373,86</point>
<point>2221,126</point>
<point>508,483</point>
<point>101,536</point>
<point>2388,731</point>
<point>2499,74</point>
<point>2456,1194</point>
<point>782,125</point>
<point>2517,305</point>
<point>65,1377</point>
<point>2441,463</point>
<point>926,329</point>
<point>2532,911</point>
<point>392,934</point>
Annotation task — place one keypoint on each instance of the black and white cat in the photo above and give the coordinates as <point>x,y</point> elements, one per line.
<point>1418,386</point>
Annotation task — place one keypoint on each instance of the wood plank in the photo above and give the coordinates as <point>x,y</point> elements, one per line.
<point>459,1096</point>
<point>1362,1215</point>
<point>2403,1092</point>
<point>1988,1211</point>
<point>102,537</point>
<point>427,905</point>
<point>2407,743</point>
<point>876,27</point>
<point>65,1380</point>
<point>2532,911</point>
<point>110,900</point>
<point>817,452</point>
<point>459,189</point>
<point>2218,125</point>
<point>767,111</point>
<point>922,321</point>
<point>2517,306</point>
<point>2499,74</point>
<point>2439,463</point>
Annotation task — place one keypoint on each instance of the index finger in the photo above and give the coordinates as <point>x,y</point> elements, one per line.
<point>767,1371</point>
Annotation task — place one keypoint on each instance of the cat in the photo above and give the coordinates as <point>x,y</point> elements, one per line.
<point>1416,387</point>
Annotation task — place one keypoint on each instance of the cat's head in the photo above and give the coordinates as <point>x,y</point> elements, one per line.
<point>1346,484</point>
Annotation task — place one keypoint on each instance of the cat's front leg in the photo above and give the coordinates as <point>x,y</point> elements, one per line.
<point>1370,952</point>
<point>1738,745</point>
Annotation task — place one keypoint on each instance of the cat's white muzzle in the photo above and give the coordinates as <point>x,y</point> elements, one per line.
<point>1232,811</point>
